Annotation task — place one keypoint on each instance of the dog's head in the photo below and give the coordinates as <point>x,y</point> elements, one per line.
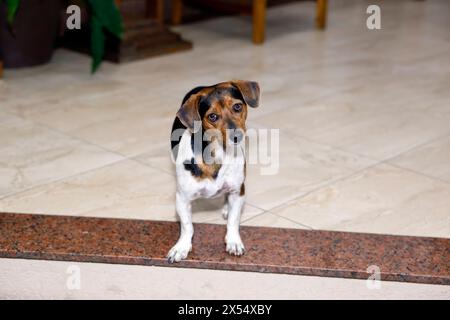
<point>222,107</point>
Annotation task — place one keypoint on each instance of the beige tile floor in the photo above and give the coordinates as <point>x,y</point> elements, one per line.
<point>364,119</point>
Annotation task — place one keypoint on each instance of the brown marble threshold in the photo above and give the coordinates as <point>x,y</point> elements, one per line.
<point>272,250</point>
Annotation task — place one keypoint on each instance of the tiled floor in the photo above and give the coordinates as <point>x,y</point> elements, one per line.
<point>364,119</point>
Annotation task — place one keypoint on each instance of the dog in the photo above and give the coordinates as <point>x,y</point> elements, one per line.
<point>207,137</point>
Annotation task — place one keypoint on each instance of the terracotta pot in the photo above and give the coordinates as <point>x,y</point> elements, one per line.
<point>34,32</point>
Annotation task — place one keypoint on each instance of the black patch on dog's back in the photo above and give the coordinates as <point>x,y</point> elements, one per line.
<point>177,124</point>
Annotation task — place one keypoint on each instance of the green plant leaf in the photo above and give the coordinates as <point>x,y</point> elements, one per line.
<point>11,10</point>
<point>108,15</point>
<point>97,43</point>
<point>104,16</point>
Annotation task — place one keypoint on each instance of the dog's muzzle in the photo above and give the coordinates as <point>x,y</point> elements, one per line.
<point>236,136</point>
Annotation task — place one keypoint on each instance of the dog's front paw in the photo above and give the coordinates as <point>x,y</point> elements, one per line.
<point>234,245</point>
<point>179,251</point>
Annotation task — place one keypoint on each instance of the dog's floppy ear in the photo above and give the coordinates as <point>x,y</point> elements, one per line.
<point>249,91</point>
<point>188,113</point>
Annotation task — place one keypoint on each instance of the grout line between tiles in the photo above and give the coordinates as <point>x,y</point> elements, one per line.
<point>345,177</point>
<point>419,173</point>
<point>274,214</point>
<point>124,157</point>
<point>322,186</point>
<point>131,158</point>
<point>296,222</point>
<point>7,195</point>
<point>136,158</point>
<point>388,160</point>
<point>253,217</point>
<point>442,137</point>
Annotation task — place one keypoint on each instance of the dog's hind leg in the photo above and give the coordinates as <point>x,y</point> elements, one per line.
<point>225,208</point>
<point>184,244</point>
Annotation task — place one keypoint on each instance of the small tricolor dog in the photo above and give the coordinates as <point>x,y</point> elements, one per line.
<point>207,145</point>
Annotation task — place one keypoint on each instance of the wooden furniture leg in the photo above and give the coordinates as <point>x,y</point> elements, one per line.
<point>177,11</point>
<point>321,14</point>
<point>155,10</point>
<point>259,21</point>
<point>1,69</point>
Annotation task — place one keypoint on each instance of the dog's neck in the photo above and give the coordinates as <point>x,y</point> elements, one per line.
<point>208,156</point>
<point>211,155</point>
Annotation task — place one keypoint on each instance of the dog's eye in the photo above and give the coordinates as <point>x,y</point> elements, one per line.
<point>213,117</point>
<point>237,107</point>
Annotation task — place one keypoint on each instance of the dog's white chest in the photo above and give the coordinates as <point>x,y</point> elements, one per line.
<point>229,178</point>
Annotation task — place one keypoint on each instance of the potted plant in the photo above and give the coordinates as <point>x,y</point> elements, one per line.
<point>28,29</point>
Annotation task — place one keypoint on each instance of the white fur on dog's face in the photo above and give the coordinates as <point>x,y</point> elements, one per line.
<point>226,175</point>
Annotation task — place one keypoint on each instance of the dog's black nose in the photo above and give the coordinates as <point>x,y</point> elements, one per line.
<point>236,136</point>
